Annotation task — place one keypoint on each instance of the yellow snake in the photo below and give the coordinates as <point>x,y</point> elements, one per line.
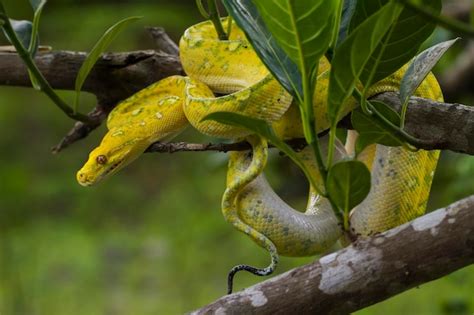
<point>400,179</point>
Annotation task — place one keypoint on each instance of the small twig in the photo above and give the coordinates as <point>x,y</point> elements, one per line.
<point>81,130</point>
<point>162,41</point>
<point>297,144</point>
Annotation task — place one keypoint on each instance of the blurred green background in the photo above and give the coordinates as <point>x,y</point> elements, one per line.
<point>150,240</point>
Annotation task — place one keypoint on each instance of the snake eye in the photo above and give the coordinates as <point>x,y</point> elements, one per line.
<point>101,159</point>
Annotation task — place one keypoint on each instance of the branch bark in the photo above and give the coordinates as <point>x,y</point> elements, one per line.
<point>115,76</point>
<point>442,126</point>
<point>369,271</point>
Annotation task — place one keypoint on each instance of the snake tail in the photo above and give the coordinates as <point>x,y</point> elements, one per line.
<point>247,173</point>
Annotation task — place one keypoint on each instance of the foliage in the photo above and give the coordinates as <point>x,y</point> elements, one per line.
<point>371,130</point>
<point>348,184</point>
<point>418,70</point>
<point>100,46</point>
<point>371,36</point>
<point>23,35</point>
<point>280,65</point>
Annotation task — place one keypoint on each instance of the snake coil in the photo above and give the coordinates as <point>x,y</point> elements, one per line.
<point>400,178</point>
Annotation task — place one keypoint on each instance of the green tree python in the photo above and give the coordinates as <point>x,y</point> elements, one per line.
<point>230,69</point>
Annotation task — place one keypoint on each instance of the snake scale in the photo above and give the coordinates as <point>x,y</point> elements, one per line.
<point>231,70</point>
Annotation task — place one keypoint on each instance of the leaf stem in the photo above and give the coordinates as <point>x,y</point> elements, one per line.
<point>443,21</point>
<point>345,220</point>
<point>403,113</point>
<point>229,25</point>
<point>309,124</point>
<point>216,19</point>
<point>337,25</point>
<point>388,124</point>
<point>332,141</point>
<point>339,214</point>
<point>43,84</point>
<point>202,10</point>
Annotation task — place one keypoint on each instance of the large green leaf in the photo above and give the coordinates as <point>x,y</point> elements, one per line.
<point>420,67</point>
<point>280,65</point>
<point>348,183</point>
<point>400,44</point>
<point>262,128</point>
<point>372,130</point>
<point>352,55</point>
<point>303,28</point>
<point>101,45</point>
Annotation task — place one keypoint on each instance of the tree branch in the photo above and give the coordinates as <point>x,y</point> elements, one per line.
<point>116,76</point>
<point>369,271</point>
<point>441,126</point>
<point>172,147</point>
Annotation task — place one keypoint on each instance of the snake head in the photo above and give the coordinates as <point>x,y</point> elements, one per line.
<point>109,157</point>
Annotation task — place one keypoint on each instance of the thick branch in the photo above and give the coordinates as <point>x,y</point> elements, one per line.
<point>118,75</point>
<point>114,77</point>
<point>369,271</point>
<point>441,125</point>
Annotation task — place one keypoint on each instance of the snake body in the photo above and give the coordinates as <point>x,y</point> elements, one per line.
<point>400,179</point>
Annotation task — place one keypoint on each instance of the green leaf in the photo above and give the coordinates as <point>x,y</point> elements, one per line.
<point>37,4</point>
<point>348,11</point>
<point>272,55</point>
<point>352,56</point>
<point>420,67</point>
<point>23,30</point>
<point>101,45</point>
<point>348,183</point>
<point>258,126</point>
<point>400,44</point>
<point>303,28</point>
<point>371,129</point>
<point>264,129</point>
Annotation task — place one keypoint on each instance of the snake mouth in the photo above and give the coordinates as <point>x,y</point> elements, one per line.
<point>110,169</point>
<point>86,180</point>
